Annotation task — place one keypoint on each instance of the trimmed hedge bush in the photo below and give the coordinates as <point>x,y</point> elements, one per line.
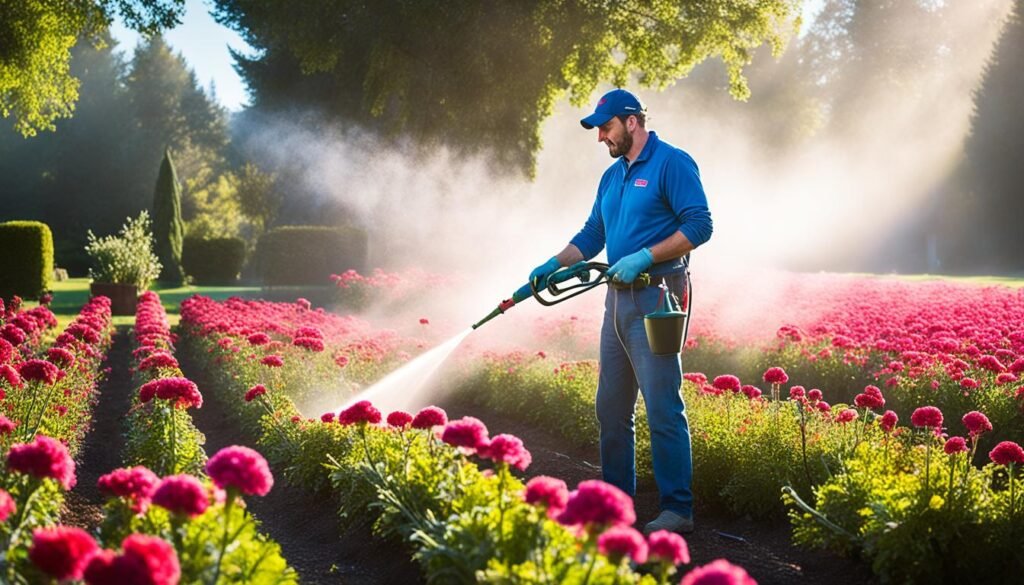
<point>308,255</point>
<point>26,258</point>
<point>213,260</point>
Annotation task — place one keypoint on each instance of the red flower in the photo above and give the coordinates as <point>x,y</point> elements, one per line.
<point>871,400</point>
<point>846,415</point>
<point>62,551</point>
<point>311,343</point>
<point>145,560</point>
<point>976,423</point>
<point>424,321</point>
<point>889,420</point>
<point>797,392</point>
<point>1006,378</point>
<point>6,351</point>
<point>181,494</point>
<point>467,432</point>
<point>40,371</point>
<point>696,378</point>
<point>718,572</point>
<point>327,417</point>
<point>43,458</point>
<point>955,445</point>
<point>814,394</point>
<point>1007,453</point>
<point>775,375</point>
<point>257,390</point>
<point>547,491</point>
<point>595,502</point>
<point>258,339</point>
<point>991,363</point>
<point>506,449</point>
<point>430,417</point>
<point>159,359</point>
<point>11,375</point>
<point>7,506</point>
<point>620,542</point>
<point>727,382</point>
<point>360,412</point>
<point>7,426</point>
<point>272,361</point>
<point>341,361</point>
<point>668,547</point>
<point>399,419</point>
<point>928,417</point>
<point>240,468</point>
<point>136,484</point>
<point>182,391</point>
<point>752,392</point>
<point>61,357</point>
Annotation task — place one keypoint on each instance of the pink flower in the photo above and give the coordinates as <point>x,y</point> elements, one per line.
<point>310,343</point>
<point>145,559</point>
<point>399,419</point>
<point>696,378</point>
<point>60,356</point>
<point>327,417</point>
<point>160,359</point>
<point>621,542</point>
<point>595,502</point>
<point>181,494</point>
<point>506,449</point>
<point>991,363</point>
<point>889,420</point>
<point>7,506</point>
<point>752,392</point>
<point>718,572</point>
<point>182,391</point>
<point>272,361</point>
<point>360,412</point>
<point>341,361</point>
<point>303,303</point>
<point>976,423</point>
<point>43,458</point>
<point>11,376</point>
<point>467,432</point>
<point>242,469</point>
<point>7,426</point>
<point>969,383</point>
<point>871,400</point>
<point>6,350</point>
<point>823,406</point>
<point>1007,453</point>
<point>62,551</point>
<point>548,492</point>
<point>846,415</point>
<point>797,392</point>
<point>424,321</point>
<point>258,339</point>
<point>257,390</point>
<point>814,394</point>
<point>668,547</point>
<point>1006,378</point>
<point>775,375</point>
<point>40,371</point>
<point>727,382</point>
<point>136,484</point>
<point>955,445</point>
<point>928,417</point>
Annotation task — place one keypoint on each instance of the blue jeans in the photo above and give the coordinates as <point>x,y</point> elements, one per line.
<point>627,365</point>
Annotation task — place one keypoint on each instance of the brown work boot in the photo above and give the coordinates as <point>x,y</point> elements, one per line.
<point>669,520</point>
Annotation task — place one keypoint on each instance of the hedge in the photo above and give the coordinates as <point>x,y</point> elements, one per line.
<point>26,258</point>
<point>213,260</point>
<point>308,255</point>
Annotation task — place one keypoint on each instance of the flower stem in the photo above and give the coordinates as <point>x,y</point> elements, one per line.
<point>224,539</point>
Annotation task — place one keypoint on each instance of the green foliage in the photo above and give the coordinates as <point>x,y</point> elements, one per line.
<point>439,72</point>
<point>36,37</point>
<point>27,259</point>
<point>167,227</point>
<point>297,255</point>
<point>127,258</point>
<point>164,439</point>
<point>213,260</point>
<point>258,195</point>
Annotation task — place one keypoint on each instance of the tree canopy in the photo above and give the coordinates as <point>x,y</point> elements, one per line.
<point>484,75</point>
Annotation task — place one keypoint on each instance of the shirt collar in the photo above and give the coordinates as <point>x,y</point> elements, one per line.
<point>652,143</point>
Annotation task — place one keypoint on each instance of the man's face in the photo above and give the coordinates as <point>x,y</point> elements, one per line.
<point>615,134</point>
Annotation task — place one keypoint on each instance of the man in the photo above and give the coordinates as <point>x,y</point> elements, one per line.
<point>650,212</point>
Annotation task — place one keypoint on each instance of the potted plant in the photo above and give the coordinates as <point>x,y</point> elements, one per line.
<point>123,265</point>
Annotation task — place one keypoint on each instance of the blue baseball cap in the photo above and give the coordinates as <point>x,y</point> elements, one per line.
<point>617,102</point>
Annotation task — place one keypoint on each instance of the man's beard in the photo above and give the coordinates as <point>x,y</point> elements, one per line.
<point>617,149</point>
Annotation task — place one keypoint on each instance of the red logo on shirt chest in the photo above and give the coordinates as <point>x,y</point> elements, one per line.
<point>640,183</point>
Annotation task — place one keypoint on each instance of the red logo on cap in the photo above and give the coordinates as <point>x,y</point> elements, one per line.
<point>601,103</point>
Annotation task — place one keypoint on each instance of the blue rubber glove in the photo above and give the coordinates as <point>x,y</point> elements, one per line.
<point>540,274</point>
<point>629,267</point>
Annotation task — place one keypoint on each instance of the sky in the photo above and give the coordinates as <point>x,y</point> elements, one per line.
<point>204,44</point>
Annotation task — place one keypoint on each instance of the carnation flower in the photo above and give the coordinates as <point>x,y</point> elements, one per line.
<point>6,351</point>
<point>360,412</point>
<point>327,417</point>
<point>889,420</point>
<point>61,357</point>
<point>870,400</point>
<point>136,484</point>
<point>814,394</point>
<point>596,503</point>
<point>969,383</point>
<point>797,392</point>
<point>303,303</point>
<point>928,417</point>
<point>61,551</point>
<point>430,417</point>
<point>955,445</point>
<point>718,572</point>
<point>399,419</point>
<point>40,371</point>
<point>1007,453</point>
<point>1006,378</point>
<point>272,361</point>
<point>696,378</point>
<point>242,469</point>
<point>976,423</point>
<point>424,321</point>
<point>467,433</point>
<point>145,559</point>
<point>549,492</point>
<point>309,332</point>
<point>181,494</point>
<point>506,449</point>
<point>752,392</point>
<point>159,359</point>
<point>846,415</point>
<point>258,339</point>
<point>991,363</point>
<point>622,542</point>
<point>341,361</point>
<point>775,375</point>
<point>12,334</point>
<point>727,382</point>
<point>668,547</point>
<point>7,505</point>
<point>311,343</point>
<point>182,391</point>
<point>823,406</point>
<point>43,458</point>
<point>257,390</point>
<point>7,426</point>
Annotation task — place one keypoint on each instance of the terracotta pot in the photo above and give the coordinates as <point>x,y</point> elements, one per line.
<point>123,297</point>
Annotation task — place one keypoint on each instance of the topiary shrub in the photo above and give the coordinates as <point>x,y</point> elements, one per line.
<point>213,260</point>
<point>26,258</point>
<point>308,255</point>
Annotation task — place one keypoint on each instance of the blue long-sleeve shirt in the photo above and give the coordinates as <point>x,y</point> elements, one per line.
<point>641,204</point>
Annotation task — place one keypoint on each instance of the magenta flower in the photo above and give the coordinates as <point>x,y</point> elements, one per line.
<point>327,417</point>
<point>7,505</point>
<point>955,445</point>
<point>549,492</point>
<point>159,359</point>
<point>889,420</point>
<point>144,559</point>
<point>258,339</point>
<point>399,419</point>
<point>775,375</point>
<point>668,547</point>
<point>257,390</point>
<point>61,551</point>
<point>752,392</point>
<point>467,433</point>
<point>727,382</point>
<point>597,503</point>
<point>976,423</point>
<point>60,357</point>
<point>846,415</point>
<point>40,371</point>
<point>181,494</point>
<point>797,392</point>
<point>43,458</point>
<point>718,572</point>
<point>927,417</point>
<point>10,375</point>
<point>241,469</point>
<point>272,361</point>
<point>506,449</point>
<point>135,484</point>
<point>360,412</point>
<point>622,542</point>
<point>7,426</point>
<point>181,391</point>
<point>1007,453</point>
<point>814,394</point>
<point>310,343</point>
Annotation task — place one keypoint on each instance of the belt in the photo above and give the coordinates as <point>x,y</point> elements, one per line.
<point>636,284</point>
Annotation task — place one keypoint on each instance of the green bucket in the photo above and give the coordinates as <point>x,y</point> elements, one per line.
<point>665,326</point>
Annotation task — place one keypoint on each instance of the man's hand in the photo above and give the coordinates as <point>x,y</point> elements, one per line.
<point>540,274</point>
<point>629,267</point>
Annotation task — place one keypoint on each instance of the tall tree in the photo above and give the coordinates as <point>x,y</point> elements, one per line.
<point>168,232</point>
<point>484,75</point>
